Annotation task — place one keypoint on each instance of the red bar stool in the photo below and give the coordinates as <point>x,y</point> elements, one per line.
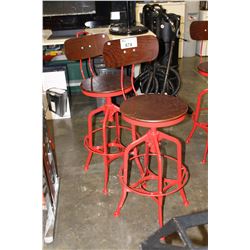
<point>199,32</point>
<point>102,86</point>
<point>151,111</point>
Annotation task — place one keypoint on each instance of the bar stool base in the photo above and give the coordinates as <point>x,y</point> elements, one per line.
<point>109,150</point>
<point>165,186</point>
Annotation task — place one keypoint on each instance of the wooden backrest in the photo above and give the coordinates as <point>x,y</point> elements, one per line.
<point>85,47</point>
<point>199,30</point>
<point>128,51</point>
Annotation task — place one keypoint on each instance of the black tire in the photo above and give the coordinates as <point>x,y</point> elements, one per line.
<point>173,82</point>
<point>153,83</point>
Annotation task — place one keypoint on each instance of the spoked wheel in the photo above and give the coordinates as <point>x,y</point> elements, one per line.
<point>151,80</point>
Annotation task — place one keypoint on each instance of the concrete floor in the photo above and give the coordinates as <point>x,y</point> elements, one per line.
<point>85,216</point>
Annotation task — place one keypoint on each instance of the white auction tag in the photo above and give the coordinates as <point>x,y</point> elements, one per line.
<point>115,15</point>
<point>128,43</point>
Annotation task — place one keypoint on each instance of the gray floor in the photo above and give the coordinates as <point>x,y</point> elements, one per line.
<point>85,216</point>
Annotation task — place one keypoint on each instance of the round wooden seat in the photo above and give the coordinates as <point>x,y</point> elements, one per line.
<point>105,85</point>
<point>203,68</point>
<point>154,110</point>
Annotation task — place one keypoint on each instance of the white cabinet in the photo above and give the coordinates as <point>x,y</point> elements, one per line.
<point>191,14</point>
<point>177,8</point>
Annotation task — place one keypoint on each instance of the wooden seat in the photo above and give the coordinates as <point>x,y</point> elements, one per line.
<point>107,85</point>
<point>153,108</point>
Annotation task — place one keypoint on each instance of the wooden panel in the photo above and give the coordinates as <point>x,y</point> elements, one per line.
<point>146,50</point>
<point>85,47</point>
<point>199,30</point>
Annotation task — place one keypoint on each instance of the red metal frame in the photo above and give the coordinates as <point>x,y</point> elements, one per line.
<point>197,123</point>
<point>201,51</point>
<point>165,186</point>
<point>111,113</point>
<point>203,73</point>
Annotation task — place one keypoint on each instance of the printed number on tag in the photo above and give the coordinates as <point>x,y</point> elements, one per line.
<point>128,43</point>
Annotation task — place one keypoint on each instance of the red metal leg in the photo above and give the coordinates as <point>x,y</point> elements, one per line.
<point>191,133</point>
<point>89,157</point>
<point>89,135</point>
<point>105,152</point>
<point>154,138</point>
<point>137,160</point>
<point>124,172</point>
<point>146,158</point>
<point>179,164</point>
<point>146,162</point>
<point>125,179</point>
<point>118,128</point>
<point>205,153</point>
